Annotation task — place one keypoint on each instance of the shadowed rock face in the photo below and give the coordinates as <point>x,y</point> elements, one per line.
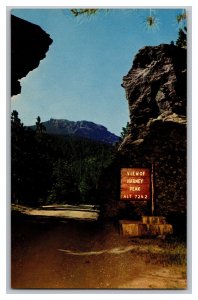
<point>156,88</point>
<point>29,44</point>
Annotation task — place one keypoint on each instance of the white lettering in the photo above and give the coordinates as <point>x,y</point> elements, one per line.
<point>136,173</point>
<point>136,196</point>
<point>134,188</point>
<point>133,180</point>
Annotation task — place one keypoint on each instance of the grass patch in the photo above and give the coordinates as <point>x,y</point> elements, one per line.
<point>163,252</point>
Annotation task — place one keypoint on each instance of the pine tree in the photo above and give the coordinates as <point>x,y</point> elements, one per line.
<point>40,128</point>
<point>182,38</point>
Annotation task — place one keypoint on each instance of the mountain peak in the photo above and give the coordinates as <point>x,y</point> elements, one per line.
<point>83,128</point>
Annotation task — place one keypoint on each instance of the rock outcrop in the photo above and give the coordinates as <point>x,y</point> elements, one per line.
<point>29,44</point>
<point>156,86</point>
<point>156,90</point>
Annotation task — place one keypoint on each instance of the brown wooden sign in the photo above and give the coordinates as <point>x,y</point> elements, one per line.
<point>135,184</point>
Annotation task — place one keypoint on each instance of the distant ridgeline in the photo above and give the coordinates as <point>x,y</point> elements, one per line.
<point>83,129</point>
<point>156,91</point>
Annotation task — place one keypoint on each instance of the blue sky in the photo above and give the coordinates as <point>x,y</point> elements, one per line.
<point>81,76</point>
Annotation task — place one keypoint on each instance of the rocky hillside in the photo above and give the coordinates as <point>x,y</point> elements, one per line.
<point>83,129</point>
<point>156,91</point>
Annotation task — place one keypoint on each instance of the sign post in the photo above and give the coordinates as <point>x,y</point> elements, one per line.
<point>135,184</point>
<point>152,191</point>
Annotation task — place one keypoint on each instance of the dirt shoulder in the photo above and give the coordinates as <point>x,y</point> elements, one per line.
<point>57,211</point>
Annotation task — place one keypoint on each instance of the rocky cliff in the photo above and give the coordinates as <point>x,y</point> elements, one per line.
<point>29,44</point>
<point>156,91</point>
<point>156,86</point>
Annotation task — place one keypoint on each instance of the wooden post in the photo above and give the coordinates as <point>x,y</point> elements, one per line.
<point>152,190</point>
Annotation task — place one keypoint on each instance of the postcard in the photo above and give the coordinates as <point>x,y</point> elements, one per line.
<point>99,148</point>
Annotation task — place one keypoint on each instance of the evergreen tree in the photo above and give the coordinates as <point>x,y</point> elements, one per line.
<point>125,131</point>
<point>40,128</point>
<point>182,38</point>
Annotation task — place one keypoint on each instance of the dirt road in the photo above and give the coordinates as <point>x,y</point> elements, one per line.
<point>57,253</point>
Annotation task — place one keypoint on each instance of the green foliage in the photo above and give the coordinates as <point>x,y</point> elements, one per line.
<point>16,125</point>
<point>88,12</point>
<point>125,131</point>
<point>55,169</point>
<point>181,17</point>
<point>151,21</point>
<point>40,128</point>
<point>15,121</point>
<point>182,38</point>
<point>64,187</point>
<point>76,174</point>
